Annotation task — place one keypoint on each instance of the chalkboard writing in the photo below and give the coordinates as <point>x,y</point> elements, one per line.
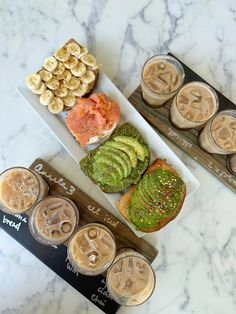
<point>11,223</point>
<point>69,189</point>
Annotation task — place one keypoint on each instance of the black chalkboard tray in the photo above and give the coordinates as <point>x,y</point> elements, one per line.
<point>93,288</point>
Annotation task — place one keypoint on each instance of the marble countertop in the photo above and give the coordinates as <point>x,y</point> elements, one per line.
<point>196,265</point>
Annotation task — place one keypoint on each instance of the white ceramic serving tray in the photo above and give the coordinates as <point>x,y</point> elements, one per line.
<point>158,148</point>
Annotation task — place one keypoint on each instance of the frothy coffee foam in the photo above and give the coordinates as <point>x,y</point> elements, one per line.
<point>224,132</point>
<point>92,248</point>
<point>161,77</point>
<point>196,102</point>
<point>19,190</point>
<point>55,218</point>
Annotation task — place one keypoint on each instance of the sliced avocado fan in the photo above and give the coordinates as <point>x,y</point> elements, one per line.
<point>126,149</point>
<point>119,162</point>
<point>141,150</point>
<point>164,191</point>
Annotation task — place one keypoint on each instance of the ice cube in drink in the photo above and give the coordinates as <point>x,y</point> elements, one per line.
<point>20,189</point>
<point>194,105</point>
<point>53,220</point>
<point>130,279</point>
<point>161,78</point>
<point>219,135</point>
<point>92,249</point>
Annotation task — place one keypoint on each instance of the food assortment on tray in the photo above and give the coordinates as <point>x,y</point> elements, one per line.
<point>122,156</point>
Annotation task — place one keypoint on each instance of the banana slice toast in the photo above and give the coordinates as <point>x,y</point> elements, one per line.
<point>72,72</point>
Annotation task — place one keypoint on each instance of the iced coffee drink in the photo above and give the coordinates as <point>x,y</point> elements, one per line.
<point>130,279</point>
<point>231,164</point>
<point>219,135</point>
<point>92,249</point>
<point>194,105</point>
<point>54,220</point>
<point>20,189</point>
<point>161,78</point>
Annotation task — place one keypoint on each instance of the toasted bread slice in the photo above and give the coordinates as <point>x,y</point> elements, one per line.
<point>123,202</point>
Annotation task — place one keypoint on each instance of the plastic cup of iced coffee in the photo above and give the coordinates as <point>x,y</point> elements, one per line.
<point>231,164</point>
<point>219,134</point>
<point>161,78</point>
<point>21,189</point>
<point>54,220</point>
<point>92,249</point>
<point>193,105</point>
<point>131,279</point>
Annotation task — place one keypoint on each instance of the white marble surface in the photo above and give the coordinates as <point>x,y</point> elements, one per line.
<point>197,261</point>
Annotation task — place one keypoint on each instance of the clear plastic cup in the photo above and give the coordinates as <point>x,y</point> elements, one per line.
<point>161,78</point>
<point>193,105</point>
<point>231,164</point>
<point>131,279</point>
<point>54,220</point>
<point>21,189</point>
<point>92,249</point>
<point>219,134</point>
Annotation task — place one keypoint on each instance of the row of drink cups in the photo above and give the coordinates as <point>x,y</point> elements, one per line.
<point>91,249</point>
<point>194,104</point>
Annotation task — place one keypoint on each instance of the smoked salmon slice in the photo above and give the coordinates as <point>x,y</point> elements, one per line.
<point>91,116</point>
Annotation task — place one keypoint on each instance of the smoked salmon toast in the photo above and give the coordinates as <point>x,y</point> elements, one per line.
<point>93,118</point>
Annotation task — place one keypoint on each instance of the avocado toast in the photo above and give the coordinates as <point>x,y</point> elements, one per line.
<point>119,162</point>
<point>155,200</point>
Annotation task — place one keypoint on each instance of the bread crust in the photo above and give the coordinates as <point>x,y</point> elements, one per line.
<point>123,202</point>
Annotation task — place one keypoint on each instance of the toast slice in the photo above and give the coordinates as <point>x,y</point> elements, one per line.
<point>124,202</point>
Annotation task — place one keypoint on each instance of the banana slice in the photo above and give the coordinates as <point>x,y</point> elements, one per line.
<point>64,75</point>
<point>40,90</point>
<point>81,90</point>
<point>56,106</point>
<point>74,49</point>
<point>46,98</point>
<point>60,69</point>
<point>68,76</point>
<point>45,75</point>
<point>71,62</point>
<point>33,81</point>
<point>61,91</point>
<point>83,52</point>
<point>79,69</point>
<point>69,100</point>
<point>53,83</point>
<point>50,64</point>
<point>96,67</point>
<point>73,83</point>
<point>89,60</point>
<point>88,77</point>
<point>62,54</point>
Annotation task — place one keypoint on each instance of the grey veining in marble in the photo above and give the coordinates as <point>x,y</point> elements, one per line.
<point>196,267</point>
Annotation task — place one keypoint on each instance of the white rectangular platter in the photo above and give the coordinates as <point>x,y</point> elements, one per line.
<point>158,148</point>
